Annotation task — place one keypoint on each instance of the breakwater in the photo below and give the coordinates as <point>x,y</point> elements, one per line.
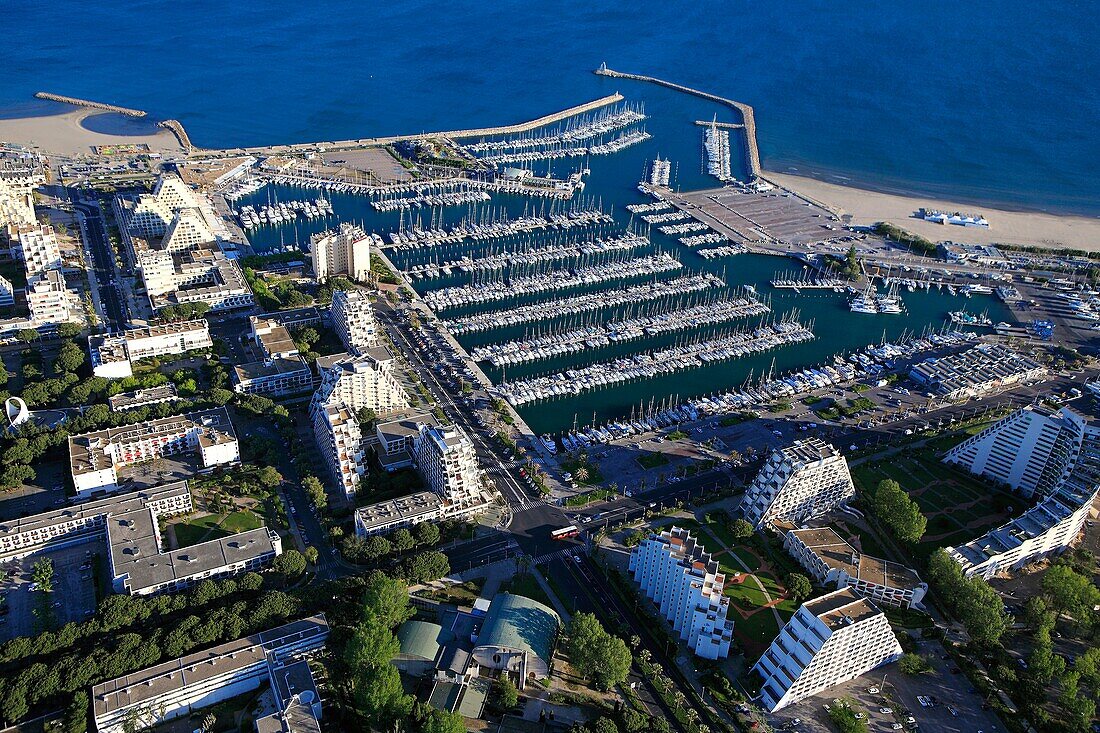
<point>176,128</point>
<point>748,118</point>
<point>453,134</point>
<point>90,104</point>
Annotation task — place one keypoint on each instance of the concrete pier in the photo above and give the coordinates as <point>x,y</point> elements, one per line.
<point>752,152</point>
<point>93,105</point>
<point>720,125</point>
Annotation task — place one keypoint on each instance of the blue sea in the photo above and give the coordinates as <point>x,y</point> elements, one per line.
<point>987,102</point>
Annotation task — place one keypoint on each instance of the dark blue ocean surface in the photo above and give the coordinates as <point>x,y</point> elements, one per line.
<point>993,102</point>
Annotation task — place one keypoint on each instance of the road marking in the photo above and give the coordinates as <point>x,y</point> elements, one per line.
<point>549,556</point>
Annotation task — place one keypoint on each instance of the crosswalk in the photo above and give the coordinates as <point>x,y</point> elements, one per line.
<point>550,556</point>
<point>524,503</point>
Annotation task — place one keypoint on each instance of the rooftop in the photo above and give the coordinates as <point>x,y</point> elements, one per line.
<point>841,608</point>
<point>407,507</point>
<point>520,623</point>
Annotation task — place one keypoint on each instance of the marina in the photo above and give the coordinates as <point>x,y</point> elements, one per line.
<point>596,335</point>
<point>513,287</point>
<point>666,361</point>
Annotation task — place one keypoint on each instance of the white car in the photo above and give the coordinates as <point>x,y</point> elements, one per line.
<point>872,690</point>
<point>886,711</point>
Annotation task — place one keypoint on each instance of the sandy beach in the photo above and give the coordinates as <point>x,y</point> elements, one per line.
<point>64,135</point>
<point>863,207</point>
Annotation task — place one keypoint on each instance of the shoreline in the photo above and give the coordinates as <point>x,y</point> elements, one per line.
<point>864,207</point>
<point>65,134</point>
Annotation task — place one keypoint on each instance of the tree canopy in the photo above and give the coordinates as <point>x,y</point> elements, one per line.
<point>596,654</point>
<point>893,507</point>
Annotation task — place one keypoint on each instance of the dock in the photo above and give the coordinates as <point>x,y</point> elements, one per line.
<point>90,104</point>
<point>720,125</point>
<point>752,151</point>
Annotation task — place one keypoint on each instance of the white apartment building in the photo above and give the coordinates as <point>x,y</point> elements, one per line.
<point>353,319</point>
<point>828,641</point>
<point>831,560</point>
<point>50,300</point>
<point>182,686</point>
<point>803,480</point>
<point>39,249</point>
<point>681,578</point>
<point>96,457</point>
<point>196,276</point>
<point>385,516</point>
<point>16,206</point>
<point>7,293</point>
<point>345,251</point>
<point>109,358</point>
<point>446,458</point>
<point>282,371</point>
<point>152,215</point>
<point>1052,454</point>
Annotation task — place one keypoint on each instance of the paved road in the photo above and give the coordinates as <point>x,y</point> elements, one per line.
<point>103,261</point>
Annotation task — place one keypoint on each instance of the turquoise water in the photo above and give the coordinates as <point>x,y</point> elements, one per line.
<point>990,101</point>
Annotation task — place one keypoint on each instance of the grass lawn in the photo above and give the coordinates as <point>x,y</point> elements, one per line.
<point>588,497</point>
<point>958,506</point>
<point>755,633</point>
<point>573,465</point>
<point>526,585</point>
<point>215,526</point>
<point>652,460</point>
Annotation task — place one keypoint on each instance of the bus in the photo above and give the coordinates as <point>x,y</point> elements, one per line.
<point>561,534</point>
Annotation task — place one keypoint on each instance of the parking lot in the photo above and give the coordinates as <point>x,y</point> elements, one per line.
<point>899,696</point>
<point>73,597</point>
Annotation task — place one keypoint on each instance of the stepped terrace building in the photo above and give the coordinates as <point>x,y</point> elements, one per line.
<point>277,658</point>
<point>353,319</point>
<point>1052,454</point>
<point>139,564</point>
<point>682,579</point>
<point>831,560</point>
<point>96,457</point>
<point>976,371</point>
<point>828,641</point>
<point>803,480</point>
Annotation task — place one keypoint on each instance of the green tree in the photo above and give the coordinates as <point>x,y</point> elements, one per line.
<point>1070,592</point>
<point>250,582</point>
<point>893,507</point>
<point>14,707</point>
<point>595,654</point>
<point>315,490</point>
<point>371,644</point>
<point>971,600</point>
<point>69,330</point>
<point>386,599</point>
<point>426,566</point>
<point>605,724</point>
<point>741,529</point>
<point>290,564</point>
<point>76,714</point>
<point>426,534</point>
<point>42,574</point>
<point>843,715</point>
<point>798,587</point>
<point>851,263</point>
<point>312,555</point>
<point>269,477</point>
<point>69,357</point>
<point>27,335</point>
<point>443,721</point>
<point>505,694</point>
<point>913,664</point>
<point>402,540</point>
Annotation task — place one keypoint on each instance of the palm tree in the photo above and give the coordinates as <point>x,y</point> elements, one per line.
<point>635,641</point>
<point>581,475</point>
<point>644,656</point>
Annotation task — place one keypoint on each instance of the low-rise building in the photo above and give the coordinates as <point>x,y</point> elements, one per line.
<point>976,371</point>
<point>138,562</point>
<point>113,355</point>
<point>96,457</point>
<point>143,397</point>
<point>195,276</point>
<point>353,319</point>
<point>828,641</point>
<point>177,688</point>
<point>686,584</point>
<point>385,516</point>
<point>803,480</point>
<point>832,561</point>
<point>397,437</point>
<point>283,371</point>
<point>517,637</point>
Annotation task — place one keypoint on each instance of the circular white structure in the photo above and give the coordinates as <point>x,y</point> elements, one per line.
<point>17,411</point>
